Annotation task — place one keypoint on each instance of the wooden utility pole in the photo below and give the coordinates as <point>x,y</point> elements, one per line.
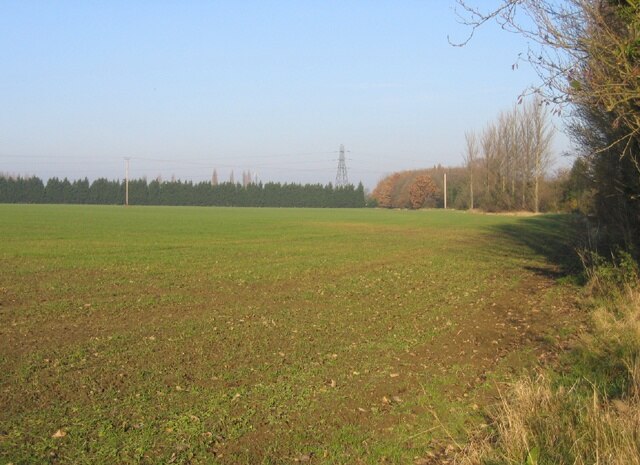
<point>445,191</point>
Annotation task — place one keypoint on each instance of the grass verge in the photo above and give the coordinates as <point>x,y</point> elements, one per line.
<point>587,411</point>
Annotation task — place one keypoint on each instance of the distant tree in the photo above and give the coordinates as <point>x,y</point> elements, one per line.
<point>382,192</point>
<point>511,158</point>
<point>400,192</point>
<point>470,158</point>
<point>541,135</point>
<point>80,189</point>
<point>4,189</point>
<point>246,178</point>
<point>359,197</point>
<point>421,189</point>
<point>53,191</point>
<point>138,192</point>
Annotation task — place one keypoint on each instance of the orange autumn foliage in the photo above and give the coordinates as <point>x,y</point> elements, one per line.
<point>420,190</point>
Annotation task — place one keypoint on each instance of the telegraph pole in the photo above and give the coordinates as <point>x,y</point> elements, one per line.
<point>445,191</point>
<point>126,181</point>
<point>341,176</point>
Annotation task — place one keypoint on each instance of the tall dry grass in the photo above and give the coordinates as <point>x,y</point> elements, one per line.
<point>592,419</point>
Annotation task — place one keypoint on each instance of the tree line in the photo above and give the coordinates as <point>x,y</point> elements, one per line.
<point>176,192</point>
<point>423,188</point>
<point>506,168</point>
<point>507,162</point>
<point>562,191</point>
<point>587,53</point>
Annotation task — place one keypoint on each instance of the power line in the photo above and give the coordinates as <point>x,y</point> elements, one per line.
<point>293,162</point>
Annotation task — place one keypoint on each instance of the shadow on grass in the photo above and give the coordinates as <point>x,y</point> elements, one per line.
<point>555,237</point>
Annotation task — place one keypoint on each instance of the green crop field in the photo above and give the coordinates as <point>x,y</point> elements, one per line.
<point>219,335</point>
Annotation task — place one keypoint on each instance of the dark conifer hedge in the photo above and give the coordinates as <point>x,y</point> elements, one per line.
<point>141,192</point>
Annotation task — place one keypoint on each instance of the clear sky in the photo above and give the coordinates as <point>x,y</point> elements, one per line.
<point>268,86</point>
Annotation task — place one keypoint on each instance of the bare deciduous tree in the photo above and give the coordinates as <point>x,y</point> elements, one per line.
<point>586,51</point>
<point>541,136</point>
<point>514,153</point>
<point>470,158</point>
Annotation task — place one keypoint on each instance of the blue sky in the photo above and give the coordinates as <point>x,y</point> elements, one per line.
<point>268,86</point>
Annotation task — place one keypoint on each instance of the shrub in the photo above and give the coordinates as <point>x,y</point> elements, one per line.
<point>605,277</point>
